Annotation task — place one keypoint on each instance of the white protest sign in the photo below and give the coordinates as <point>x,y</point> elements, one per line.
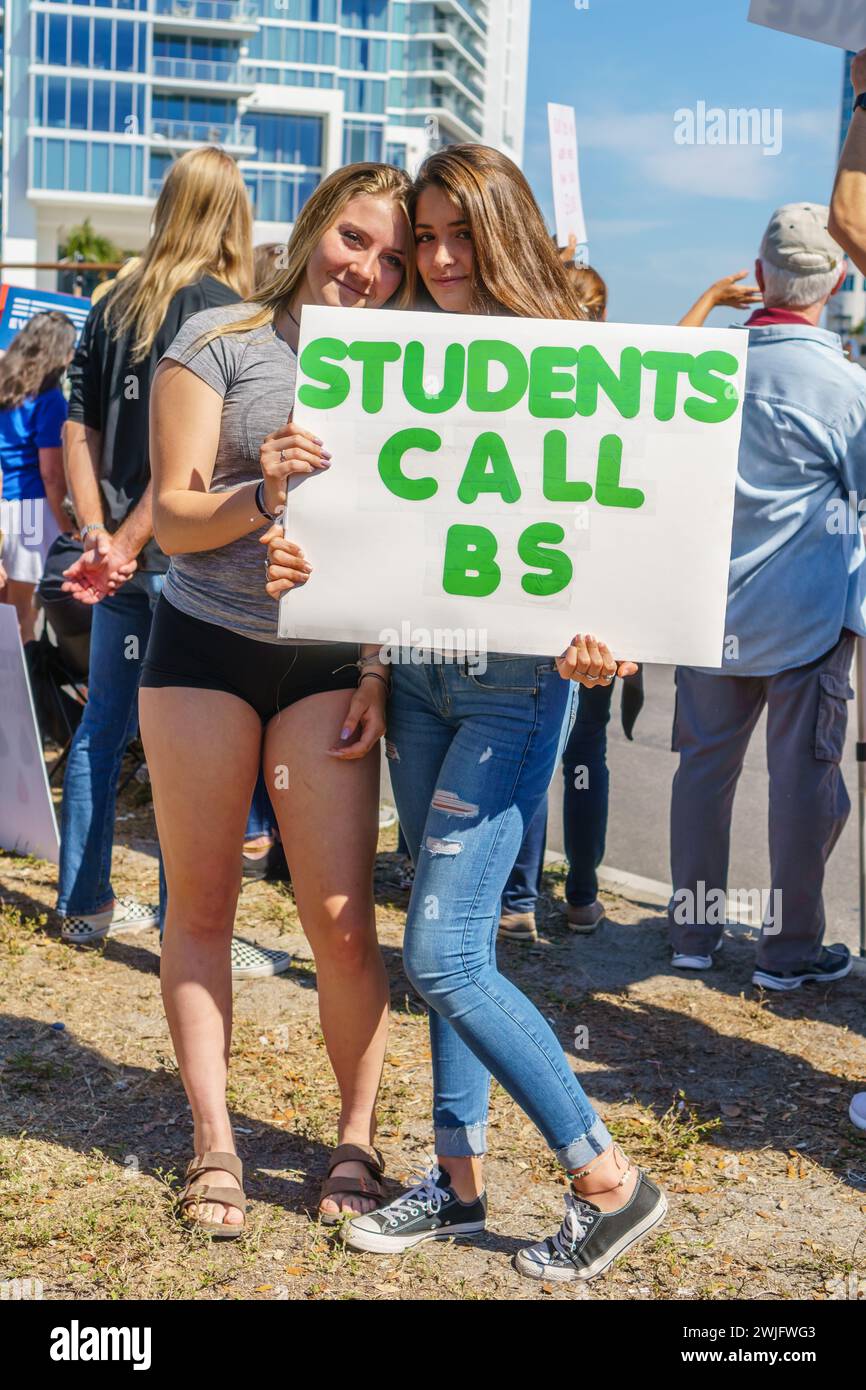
<point>566,175</point>
<point>841,23</point>
<point>27,822</point>
<point>518,478</point>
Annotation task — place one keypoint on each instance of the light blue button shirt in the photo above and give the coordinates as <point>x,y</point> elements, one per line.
<point>797,574</point>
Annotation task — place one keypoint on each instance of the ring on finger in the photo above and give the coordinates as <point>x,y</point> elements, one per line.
<point>282,456</point>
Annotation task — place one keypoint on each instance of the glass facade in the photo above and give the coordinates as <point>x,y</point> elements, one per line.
<point>87,166</point>
<point>67,41</point>
<point>149,86</point>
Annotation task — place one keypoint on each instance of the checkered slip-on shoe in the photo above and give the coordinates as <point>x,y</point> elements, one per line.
<point>251,962</point>
<point>125,916</point>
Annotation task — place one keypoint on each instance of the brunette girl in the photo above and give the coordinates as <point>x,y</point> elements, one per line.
<point>473,758</point>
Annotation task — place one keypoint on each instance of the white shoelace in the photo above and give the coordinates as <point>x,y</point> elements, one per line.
<point>423,1196</point>
<point>578,1219</point>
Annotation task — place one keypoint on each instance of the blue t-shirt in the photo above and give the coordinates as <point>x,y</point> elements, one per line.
<point>31,426</point>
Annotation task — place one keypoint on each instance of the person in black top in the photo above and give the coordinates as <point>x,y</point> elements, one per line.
<point>199,257</point>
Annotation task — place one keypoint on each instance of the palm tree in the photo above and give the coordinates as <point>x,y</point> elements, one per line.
<point>82,243</point>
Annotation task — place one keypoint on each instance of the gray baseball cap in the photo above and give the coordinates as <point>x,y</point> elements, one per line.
<point>797,239</point>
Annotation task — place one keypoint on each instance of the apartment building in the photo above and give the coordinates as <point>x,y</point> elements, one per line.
<point>99,96</point>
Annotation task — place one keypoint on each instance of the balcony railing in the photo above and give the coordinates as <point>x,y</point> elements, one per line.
<point>429,19</point>
<point>217,11</point>
<point>205,132</point>
<point>431,60</point>
<point>473,13</point>
<point>197,70</point>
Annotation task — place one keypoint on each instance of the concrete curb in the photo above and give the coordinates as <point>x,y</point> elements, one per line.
<point>652,892</point>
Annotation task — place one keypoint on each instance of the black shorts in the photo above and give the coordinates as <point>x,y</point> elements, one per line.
<point>270,676</point>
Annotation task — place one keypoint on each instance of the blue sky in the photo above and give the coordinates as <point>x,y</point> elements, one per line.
<point>665,220</point>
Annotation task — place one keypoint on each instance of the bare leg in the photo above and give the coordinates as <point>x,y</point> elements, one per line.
<point>203,749</point>
<point>328,820</point>
<point>20,595</point>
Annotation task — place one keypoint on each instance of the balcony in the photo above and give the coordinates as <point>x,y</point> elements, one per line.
<point>453,111</point>
<point>226,18</point>
<point>231,136</point>
<point>179,73</point>
<point>465,82</point>
<point>471,13</point>
<point>452,37</point>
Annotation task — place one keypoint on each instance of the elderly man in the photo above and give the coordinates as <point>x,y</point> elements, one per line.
<point>794,605</point>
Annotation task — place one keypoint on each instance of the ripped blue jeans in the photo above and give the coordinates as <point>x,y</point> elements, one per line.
<point>471,758</point>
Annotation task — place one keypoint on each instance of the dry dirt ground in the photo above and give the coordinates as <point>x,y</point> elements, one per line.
<point>737,1103</point>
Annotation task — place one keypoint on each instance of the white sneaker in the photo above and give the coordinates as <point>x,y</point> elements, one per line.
<point>857,1110</point>
<point>680,961</point>
<point>126,915</point>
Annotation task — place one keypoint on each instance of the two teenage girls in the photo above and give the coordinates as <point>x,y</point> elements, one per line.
<point>490,741</point>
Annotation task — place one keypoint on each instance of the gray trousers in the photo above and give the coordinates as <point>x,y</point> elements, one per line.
<point>807,716</point>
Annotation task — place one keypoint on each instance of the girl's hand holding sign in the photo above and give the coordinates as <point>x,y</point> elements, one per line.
<point>286,451</point>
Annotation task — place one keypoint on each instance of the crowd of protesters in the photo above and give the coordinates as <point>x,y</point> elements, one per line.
<point>174,454</point>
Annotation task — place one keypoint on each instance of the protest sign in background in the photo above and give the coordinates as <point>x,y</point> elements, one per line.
<point>567,200</point>
<point>841,23</point>
<point>17,307</point>
<point>27,822</point>
<point>520,479</point>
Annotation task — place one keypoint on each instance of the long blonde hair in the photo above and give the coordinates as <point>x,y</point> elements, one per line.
<point>320,212</point>
<point>516,267</point>
<point>202,225</point>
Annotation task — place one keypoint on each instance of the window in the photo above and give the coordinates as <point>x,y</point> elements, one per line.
<point>364,14</point>
<point>369,55</point>
<point>125,114</point>
<point>102,107</point>
<point>285,139</point>
<point>38,113</point>
<point>78,103</point>
<point>99,168</point>
<point>57,37</point>
<point>363,95</point>
<point>396,154</point>
<point>54,165</point>
<point>279,197</point>
<point>56,115</point>
<point>87,166</point>
<point>122,171</point>
<point>102,43</point>
<point>124,58</point>
<point>77,172</point>
<point>362,140</point>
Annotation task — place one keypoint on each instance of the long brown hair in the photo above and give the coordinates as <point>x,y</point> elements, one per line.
<point>516,267</point>
<point>37,358</point>
<point>202,225</point>
<point>320,212</point>
<point>591,289</point>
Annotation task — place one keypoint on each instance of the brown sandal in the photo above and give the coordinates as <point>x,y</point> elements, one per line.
<point>352,1187</point>
<point>227,1196</point>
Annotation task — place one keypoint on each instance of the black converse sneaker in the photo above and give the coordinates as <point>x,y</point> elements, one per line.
<point>589,1240</point>
<point>430,1211</point>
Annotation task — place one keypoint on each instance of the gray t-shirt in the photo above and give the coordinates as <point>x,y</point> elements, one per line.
<point>255,375</point>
